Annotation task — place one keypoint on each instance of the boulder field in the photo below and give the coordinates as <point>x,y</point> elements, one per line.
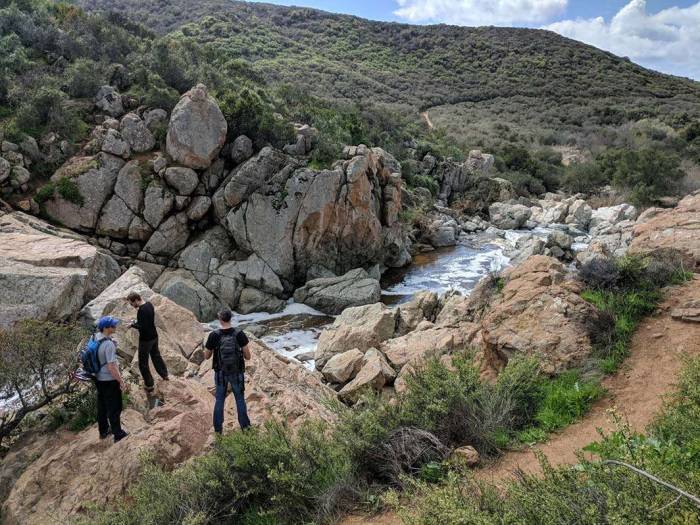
<point>235,227</point>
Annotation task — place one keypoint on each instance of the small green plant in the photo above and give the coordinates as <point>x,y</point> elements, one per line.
<point>564,400</point>
<point>68,189</point>
<point>45,193</point>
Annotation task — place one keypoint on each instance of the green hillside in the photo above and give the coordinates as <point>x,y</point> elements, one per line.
<point>482,85</point>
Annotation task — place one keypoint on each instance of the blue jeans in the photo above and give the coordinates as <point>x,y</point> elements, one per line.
<point>237,383</point>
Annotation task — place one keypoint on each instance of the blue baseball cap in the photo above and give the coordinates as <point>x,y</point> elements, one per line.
<point>107,322</point>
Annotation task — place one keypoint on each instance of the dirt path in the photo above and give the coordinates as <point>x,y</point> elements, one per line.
<point>636,392</point>
<point>424,115</point>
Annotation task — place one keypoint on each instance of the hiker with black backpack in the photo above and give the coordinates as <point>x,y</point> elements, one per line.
<point>230,351</point>
<point>99,360</point>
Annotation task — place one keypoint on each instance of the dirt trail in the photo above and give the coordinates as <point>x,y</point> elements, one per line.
<point>424,115</point>
<point>636,392</point>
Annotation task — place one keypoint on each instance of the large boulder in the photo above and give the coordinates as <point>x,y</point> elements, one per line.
<point>342,367</point>
<point>362,327</point>
<point>197,129</point>
<point>613,214</point>
<point>423,307</point>
<point>418,346</point>
<point>508,216</point>
<point>332,295</point>
<point>170,237</point>
<point>183,288</point>
<point>135,279</point>
<point>241,149</point>
<point>158,202</point>
<point>204,254</point>
<point>109,100</point>
<point>541,314</point>
<point>46,273</point>
<point>94,178</point>
<point>375,373</point>
<point>254,300</point>
<point>256,173</point>
<point>184,180</point>
<point>678,228</point>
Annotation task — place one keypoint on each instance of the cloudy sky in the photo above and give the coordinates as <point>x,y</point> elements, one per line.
<point>660,34</point>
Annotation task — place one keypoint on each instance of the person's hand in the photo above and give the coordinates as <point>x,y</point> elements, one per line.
<point>123,386</point>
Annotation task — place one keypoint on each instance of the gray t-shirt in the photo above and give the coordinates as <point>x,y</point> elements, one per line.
<point>106,354</point>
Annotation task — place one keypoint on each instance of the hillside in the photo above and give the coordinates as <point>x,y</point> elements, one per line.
<point>479,84</point>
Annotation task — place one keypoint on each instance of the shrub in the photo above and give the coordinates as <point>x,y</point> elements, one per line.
<point>84,78</point>
<point>584,177</point>
<point>564,399</point>
<point>592,492</point>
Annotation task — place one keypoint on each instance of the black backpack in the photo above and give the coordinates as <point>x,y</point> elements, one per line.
<point>230,353</point>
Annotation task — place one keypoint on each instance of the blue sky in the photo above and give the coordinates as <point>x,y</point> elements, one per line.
<point>660,34</point>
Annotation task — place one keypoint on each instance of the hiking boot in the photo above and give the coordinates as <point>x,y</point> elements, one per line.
<point>121,436</point>
<point>106,434</point>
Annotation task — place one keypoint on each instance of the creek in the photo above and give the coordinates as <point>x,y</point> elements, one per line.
<point>294,332</point>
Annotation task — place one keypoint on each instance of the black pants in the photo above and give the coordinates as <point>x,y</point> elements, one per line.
<point>109,408</point>
<point>150,349</point>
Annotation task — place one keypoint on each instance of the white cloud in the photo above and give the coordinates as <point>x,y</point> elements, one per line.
<point>480,12</point>
<point>668,41</point>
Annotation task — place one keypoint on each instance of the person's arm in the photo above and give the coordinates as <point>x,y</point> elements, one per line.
<point>243,342</point>
<point>114,370</point>
<point>112,364</point>
<point>209,346</point>
<point>138,322</point>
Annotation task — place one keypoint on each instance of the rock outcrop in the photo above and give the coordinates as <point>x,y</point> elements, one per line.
<point>678,228</point>
<point>539,313</point>
<point>47,273</point>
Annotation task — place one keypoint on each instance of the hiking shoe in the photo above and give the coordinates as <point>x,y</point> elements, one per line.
<point>106,434</point>
<point>121,436</point>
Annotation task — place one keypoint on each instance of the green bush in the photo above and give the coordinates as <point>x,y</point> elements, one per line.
<point>84,78</point>
<point>585,177</point>
<point>591,492</point>
<point>45,193</point>
<point>564,399</point>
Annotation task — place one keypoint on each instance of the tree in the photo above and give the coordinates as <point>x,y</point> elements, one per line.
<point>36,361</point>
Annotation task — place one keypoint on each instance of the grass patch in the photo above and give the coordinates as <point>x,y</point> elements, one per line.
<point>625,291</point>
<point>45,193</point>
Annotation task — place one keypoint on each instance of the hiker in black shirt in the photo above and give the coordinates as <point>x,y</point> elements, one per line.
<point>229,348</point>
<point>148,340</point>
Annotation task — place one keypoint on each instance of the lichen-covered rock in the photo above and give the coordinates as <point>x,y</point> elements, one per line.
<point>136,133</point>
<point>158,202</point>
<point>94,179</point>
<point>184,180</point>
<point>170,237</point>
<point>197,129</point>
<point>109,100</point>
<point>508,216</point>
<point>241,149</point>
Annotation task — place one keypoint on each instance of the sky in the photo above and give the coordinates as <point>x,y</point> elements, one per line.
<point>659,34</point>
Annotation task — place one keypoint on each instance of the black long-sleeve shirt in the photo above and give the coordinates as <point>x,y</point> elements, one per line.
<point>146,322</point>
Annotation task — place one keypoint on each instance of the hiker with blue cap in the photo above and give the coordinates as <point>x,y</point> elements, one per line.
<point>108,379</point>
